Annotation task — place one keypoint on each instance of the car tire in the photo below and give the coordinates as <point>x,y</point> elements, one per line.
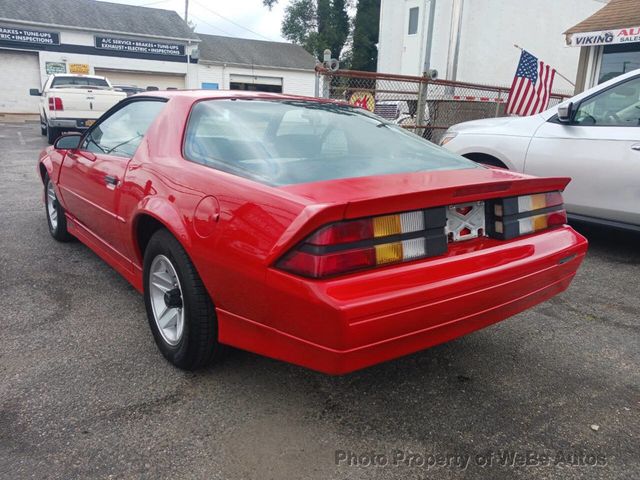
<point>52,134</point>
<point>179,310</point>
<point>56,218</point>
<point>43,127</point>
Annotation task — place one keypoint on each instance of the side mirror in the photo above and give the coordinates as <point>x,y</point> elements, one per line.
<point>34,92</point>
<point>68,141</point>
<point>565,112</point>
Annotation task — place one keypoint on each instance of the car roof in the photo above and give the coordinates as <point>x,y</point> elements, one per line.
<point>196,95</point>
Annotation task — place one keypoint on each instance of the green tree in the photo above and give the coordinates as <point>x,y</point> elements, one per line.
<point>365,36</point>
<point>316,25</point>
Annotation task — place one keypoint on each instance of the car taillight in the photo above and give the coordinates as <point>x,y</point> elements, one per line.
<point>55,103</point>
<point>516,216</point>
<point>343,247</point>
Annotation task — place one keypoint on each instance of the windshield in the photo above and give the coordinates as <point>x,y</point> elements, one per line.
<point>79,82</point>
<point>292,141</point>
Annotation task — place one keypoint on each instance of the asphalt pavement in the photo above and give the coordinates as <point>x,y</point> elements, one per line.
<point>551,393</point>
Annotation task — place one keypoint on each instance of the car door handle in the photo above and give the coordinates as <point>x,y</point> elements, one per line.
<point>636,147</point>
<point>110,181</point>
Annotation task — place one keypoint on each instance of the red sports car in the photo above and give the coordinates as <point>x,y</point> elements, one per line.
<point>303,229</point>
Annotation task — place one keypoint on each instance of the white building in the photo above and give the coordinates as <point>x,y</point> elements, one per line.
<point>473,40</point>
<point>130,45</point>
<point>240,64</point>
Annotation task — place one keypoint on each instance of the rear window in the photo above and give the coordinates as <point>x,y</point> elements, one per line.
<point>287,142</point>
<point>79,82</point>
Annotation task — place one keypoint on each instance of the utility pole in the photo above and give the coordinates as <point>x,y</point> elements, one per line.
<point>186,11</point>
<point>429,37</point>
<point>454,39</point>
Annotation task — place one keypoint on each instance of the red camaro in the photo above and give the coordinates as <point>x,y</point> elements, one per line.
<point>303,229</point>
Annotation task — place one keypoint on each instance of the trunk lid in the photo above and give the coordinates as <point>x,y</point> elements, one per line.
<point>375,195</point>
<point>331,201</point>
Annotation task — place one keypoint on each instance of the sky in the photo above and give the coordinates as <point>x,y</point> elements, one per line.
<point>234,18</point>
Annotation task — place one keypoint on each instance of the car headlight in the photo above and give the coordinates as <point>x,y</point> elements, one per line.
<point>447,137</point>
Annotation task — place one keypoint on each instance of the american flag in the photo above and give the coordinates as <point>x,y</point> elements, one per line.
<point>531,86</point>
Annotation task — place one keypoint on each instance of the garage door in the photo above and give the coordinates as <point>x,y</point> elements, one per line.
<point>19,72</point>
<point>142,79</point>
<point>255,83</point>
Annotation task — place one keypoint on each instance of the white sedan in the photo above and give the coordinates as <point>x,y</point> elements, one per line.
<point>594,138</point>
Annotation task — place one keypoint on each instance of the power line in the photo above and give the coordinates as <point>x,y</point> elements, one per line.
<point>210,24</point>
<point>153,3</point>
<point>231,21</point>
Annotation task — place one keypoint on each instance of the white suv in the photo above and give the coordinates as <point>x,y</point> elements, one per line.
<point>594,138</point>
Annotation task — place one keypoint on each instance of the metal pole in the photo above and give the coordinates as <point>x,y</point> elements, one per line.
<point>189,65</point>
<point>186,11</point>
<point>427,51</point>
<point>454,39</point>
<point>422,101</point>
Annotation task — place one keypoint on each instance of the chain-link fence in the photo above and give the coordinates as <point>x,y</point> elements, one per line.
<point>428,107</point>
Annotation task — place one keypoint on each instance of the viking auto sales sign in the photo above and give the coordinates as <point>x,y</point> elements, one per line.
<point>605,37</point>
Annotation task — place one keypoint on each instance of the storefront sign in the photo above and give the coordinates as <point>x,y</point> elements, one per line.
<point>79,68</point>
<point>22,35</point>
<point>139,46</point>
<point>605,37</point>
<point>55,67</point>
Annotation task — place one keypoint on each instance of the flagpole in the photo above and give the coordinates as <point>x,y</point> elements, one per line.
<point>557,72</point>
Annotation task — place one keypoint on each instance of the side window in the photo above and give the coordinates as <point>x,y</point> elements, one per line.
<point>413,20</point>
<point>121,133</point>
<point>619,106</point>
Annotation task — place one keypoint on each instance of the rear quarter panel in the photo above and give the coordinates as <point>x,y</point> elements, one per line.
<point>231,254</point>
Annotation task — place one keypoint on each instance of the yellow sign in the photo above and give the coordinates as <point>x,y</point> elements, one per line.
<point>79,68</point>
<point>363,100</point>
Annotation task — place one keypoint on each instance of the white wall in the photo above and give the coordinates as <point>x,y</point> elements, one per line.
<point>489,30</point>
<point>294,82</point>
<point>536,26</point>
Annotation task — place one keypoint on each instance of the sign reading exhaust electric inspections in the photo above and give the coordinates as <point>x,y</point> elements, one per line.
<point>23,35</point>
<point>139,46</point>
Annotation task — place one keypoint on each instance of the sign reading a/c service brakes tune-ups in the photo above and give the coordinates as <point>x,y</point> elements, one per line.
<point>605,37</point>
<point>139,46</point>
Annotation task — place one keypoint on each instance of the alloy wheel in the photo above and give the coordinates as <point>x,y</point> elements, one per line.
<point>166,299</point>
<point>52,204</point>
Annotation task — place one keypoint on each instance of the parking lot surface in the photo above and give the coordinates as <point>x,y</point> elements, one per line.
<point>551,393</point>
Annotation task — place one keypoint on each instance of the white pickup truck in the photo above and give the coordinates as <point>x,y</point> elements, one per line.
<point>73,102</point>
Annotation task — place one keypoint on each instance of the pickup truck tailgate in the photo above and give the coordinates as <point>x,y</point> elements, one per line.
<point>85,103</point>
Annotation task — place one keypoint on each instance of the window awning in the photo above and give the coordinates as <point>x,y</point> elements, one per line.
<point>615,23</point>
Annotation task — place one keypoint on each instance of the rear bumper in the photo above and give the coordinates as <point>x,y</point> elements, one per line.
<point>345,324</point>
<point>70,123</point>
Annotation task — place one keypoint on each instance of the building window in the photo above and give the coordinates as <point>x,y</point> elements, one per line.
<point>413,20</point>
<point>619,59</point>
